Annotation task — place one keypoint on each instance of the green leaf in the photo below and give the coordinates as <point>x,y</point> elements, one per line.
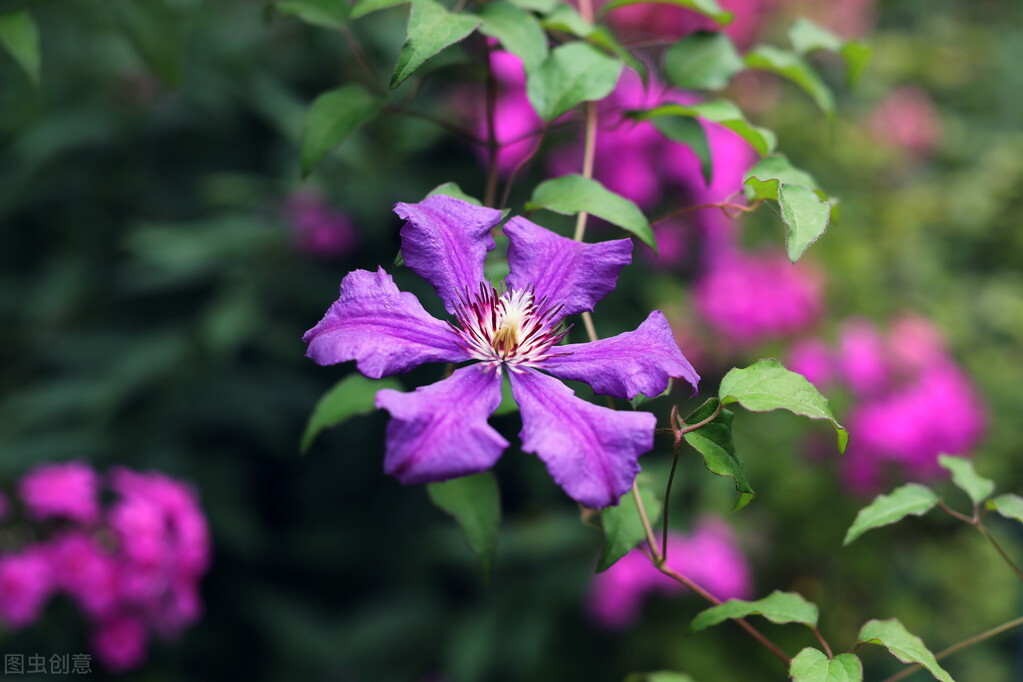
<point>623,528</point>
<point>702,61</point>
<point>364,7</point>
<point>766,177</point>
<point>708,8</point>
<point>20,36</point>
<point>539,6</point>
<point>641,399</point>
<point>807,37</point>
<point>474,503</point>
<point>856,56</point>
<point>602,36</point>
<point>659,676</point>
<point>326,13</point>
<point>719,111</point>
<point>911,498</point>
<point>778,607</point>
<point>566,19</point>
<point>353,395</point>
<point>571,74</point>
<point>334,116</point>
<point>806,215</point>
<point>791,66</point>
<point>1008,505</point>
<point>154,30</point>
<point>572,194</point>
<point>451,189</point>
<point>689,132</point>
<point>966,478</point>
<point>811,665</point>
<point>906,647</point>
<point>714,442</point>
<point>431,28</point>
<point>517,30</point>
<point>766,385</point>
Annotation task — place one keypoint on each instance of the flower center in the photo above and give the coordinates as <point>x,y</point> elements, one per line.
<point>511,328</point>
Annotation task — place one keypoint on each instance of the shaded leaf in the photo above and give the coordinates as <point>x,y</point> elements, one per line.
<point>689,132</point>
<point>571,194</point>
<point>778,607</point>
<point>807,37</point>
<point>791,66</point>
<point>353,395</point>
<point>154,31</point>
<point>364,7</point>
<point>1008,505</point>
<point>517,30</point>
<point>966,478</point>
<point>326,13</point>
<point>567,19</point>
<point>603,37</point>
<point>806,215</point>
<point>703,60</point>
<point>766,385</point>
<point>812,665</point>
<point>906,647</point>
<point>334,116</point>
<point>431,28</point>
<point>719,111</point>
<point>623,528</point>
<point>20,37</point>
<point>911,498</point>
<point>572,74</point>
<point>475,504</point>
<point>708,8</point>
<point>641,399</point>
<point>714,442</point>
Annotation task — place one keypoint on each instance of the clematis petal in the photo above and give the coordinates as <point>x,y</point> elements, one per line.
<point>590,451</point>
<point>445,241</point>
<point>626,365</point>
<point>440,431</point>
<point>383,329</point>
<point>568,272</point>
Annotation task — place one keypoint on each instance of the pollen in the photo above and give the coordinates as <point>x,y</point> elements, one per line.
<point>512,328</point>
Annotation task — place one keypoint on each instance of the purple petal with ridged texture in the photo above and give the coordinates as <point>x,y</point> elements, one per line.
<point>384,330</point>
<point>590,451</point>
<point>568,272</point>
<point>626,365</point>
<point>440,431</point>
<point>445,241</point>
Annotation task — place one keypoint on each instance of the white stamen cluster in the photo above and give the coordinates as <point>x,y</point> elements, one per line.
<point>510,328</point>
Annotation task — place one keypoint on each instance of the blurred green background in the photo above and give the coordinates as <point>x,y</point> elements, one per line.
<point>152,300</point>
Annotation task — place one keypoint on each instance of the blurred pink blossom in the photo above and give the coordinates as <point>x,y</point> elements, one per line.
<point>647,21</point>
<point>814,360</point>
<point>121,642</point>
<point>316,228</point>
<point>906,119</point>
<point>710,556</point>
<point>751,297</point>
<point>26,582</point>
<point>69,490</point>
<point>862,357</point>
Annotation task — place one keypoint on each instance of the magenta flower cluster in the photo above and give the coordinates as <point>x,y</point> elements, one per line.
<point>911,401</point>
<point>132,567</point>
<point>710,556</point>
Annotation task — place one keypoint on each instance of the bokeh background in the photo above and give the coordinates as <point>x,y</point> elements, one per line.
<point>161,259</point>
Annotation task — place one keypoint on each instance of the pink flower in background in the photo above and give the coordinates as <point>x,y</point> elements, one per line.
<point>316,228</point>
<point>131,569</point>
<point>26,583</point>
<point>847,18</point>
<point>647,21</point>
<point>68,491</point>
<point>912,402</point>
<point>906,119</point>
<point>516,124</point>
<point>710,556</point>
<point>749,298</point>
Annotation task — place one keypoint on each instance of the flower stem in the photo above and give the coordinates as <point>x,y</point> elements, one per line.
<point>969,641</point>
<point>492,144</point>
<point>647,528</point>
<point>979,525</point>
<point>589,151</point>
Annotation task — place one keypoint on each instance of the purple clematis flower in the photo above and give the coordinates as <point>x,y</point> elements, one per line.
<point>440,431</point>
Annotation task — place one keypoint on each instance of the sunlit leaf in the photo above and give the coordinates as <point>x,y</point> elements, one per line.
<point>778,607</point>
<point>805,214</point>
<point>791,66</point>
<point>906,647</point>
<point>702,61</point>
<point>766,385</point>
<point>910,499</point>
<point>967,479</point>
<point>572,194</point>
<point>1008,505</point>
<point>431,28</point>
<point>451,189</point>
<point>572,74</point>
<point>517,30</point>
<point>812,665</point>
<point>475,504</point>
